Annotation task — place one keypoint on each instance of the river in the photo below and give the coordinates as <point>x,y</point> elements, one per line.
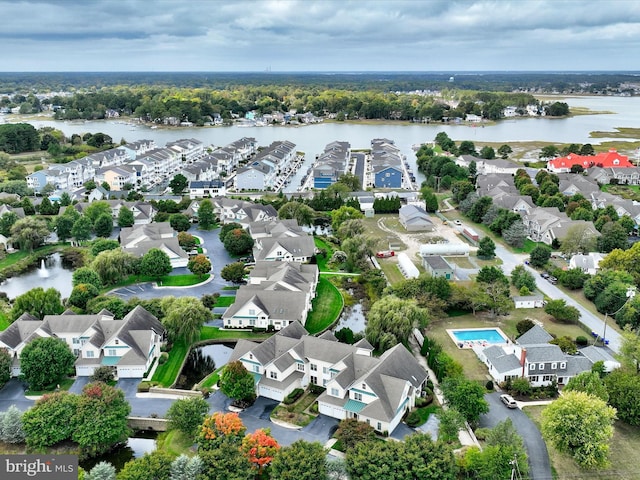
<point>312,139</point>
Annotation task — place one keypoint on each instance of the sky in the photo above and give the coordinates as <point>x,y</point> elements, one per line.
<point>317,35</point>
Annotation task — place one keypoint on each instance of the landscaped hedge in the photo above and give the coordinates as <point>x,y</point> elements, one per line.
<point>293,396</point>
<point>442,364</point>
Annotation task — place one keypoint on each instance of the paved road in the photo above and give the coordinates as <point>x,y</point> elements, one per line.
<point>539,465</point>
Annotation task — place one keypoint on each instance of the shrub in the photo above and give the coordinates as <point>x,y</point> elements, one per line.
<point>164,356</point>
<point>524,326</point>
<point>582,341</point>
<point>489,385</point>
<point>521,386</point>
<point>482,433</point>
<point>144,386</point>
<point>316,389</point>
<point>293,396</point>
<point>413,419</point>
<point>104,374</point>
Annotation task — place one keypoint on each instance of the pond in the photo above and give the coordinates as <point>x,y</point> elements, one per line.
<point>51,273</point>
<point>353,318</point>
<point>136,446</point>
<point>201,362</point>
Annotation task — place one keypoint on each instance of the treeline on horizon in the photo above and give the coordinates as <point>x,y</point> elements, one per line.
<point>16,82</point>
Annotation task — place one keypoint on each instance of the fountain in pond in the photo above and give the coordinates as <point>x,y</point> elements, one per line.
<point>43,270</point>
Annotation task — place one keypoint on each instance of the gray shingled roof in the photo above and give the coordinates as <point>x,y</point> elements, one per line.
<point>536,335</point>
<point>503,362</point>
<point>544,354</point>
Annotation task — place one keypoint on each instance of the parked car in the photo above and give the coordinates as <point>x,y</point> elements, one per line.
<point>552,280</point>
<point>544,275</point>
<point>508,401</point>
<point>385,254</point>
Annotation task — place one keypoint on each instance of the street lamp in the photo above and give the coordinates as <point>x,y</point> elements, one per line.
<point>631,292</point>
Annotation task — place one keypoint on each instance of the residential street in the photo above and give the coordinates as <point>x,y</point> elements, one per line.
<point>539,466</point>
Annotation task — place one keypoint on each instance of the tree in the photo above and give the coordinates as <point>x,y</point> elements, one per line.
<point>540,255</point>
<point>487,249</point>
<point>11,428</point>
<point>504,151</point>
<point>260,447</point>
<point>50,420</point>
<point>104,374</point>
<point>630,349</point>
<point>102,471</point>
<point>187,415</point>
<point>515,235</point>
<point>220,464</point>
<point>451,422</point>
<point>466,396</point>
<point>206,216</point>
<point>300,461</point>
<point>467,148</point>
<point>46,208</point>
<point>5,366</point>
<point>302,213</point>
<point>391,320</point>
<point>184,317</point>
<point>81,294</point>
<point>96,209</point>
<point>352,432</point>
<point>186,241</point>
<point>227,228</point>
<point>113,266</point>
<point>64,224</point>
<point>27,206</point>
<point>430,199</point>
<point>155,263</point>
<point>582,426</point>
<point>178,184</point>
<point>179,222</point>
<point>102,244</point>
<point>103,225</point>
<point>199,265</point>
<point>460,189</point>
<point>6,222</point>
<point>566,344</point>
<point>155,465</point>
<point>186,468</point>
<point>85,275</point>
<point>495,286</point>
<point>238,242</point>
<point>37,302</point>
<point>343,214</point>
<point>45,361</point>
<point>234,272</point>
<point>613,235</point>
<point>29,233</point>
<point>65,199</point>
<point>562,312</point>
<point>623,388</point>
<point>101,419</point>
<point>81,229</point>
<point>573,278</point>
<point>487,152</point>
<point>125,217</point>
<point>237,383</point>
<point>220,429</point>
<point>520,277</point>
<point>549,151</point>
<point>588,382</point>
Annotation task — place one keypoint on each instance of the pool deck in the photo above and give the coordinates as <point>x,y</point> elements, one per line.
<point>475,343</point>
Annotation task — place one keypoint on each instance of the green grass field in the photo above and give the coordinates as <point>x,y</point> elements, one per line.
<point>225,301</point>
<point>327,307</point>
<point>214,333</point>
<point>64,386</point>
<point>4,321</point>
<point>323,259</point>
<point>166,374</point>
<point>187,280</point>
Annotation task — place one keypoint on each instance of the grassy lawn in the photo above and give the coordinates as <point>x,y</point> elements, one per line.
<point>425,412</point>
<point>168,281</point>
<point>4,322</point>
<point>211,379</point>
<point>295,413</point>
<point>384,239</point>
<point>327,307</point>
<point>527,247</point>
<point>174,442</point>
<point>462,262</point>
<point>167,373</point>
<point>323,259</point>
<point>473,368</point>
<point>225,301</point>
<point>64,386</point>
<point>630,192</point>
<point>12,258</point>
<point>623,449</point>
<point>391,271</point>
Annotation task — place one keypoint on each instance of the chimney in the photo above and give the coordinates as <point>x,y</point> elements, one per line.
<point>523,356</point>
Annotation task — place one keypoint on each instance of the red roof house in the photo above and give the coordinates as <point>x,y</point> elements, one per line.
<point>610,159</point>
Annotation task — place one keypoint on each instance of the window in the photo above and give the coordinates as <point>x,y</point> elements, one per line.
<point>256,368</point>
<point>252,311</point>
<point>554,365</point>
<point>532,366</point>
<point>314,380</point>
<point>111,352</point>
<point>541,366</point>
<point>563,365</point>
<point>313,367</point>
<point>89,353</point>
<point>76,340</point>
<point>117,342</point>
<point>273,375</point>
<point>364,386</point>
<point>357,396</point>
<point>547,378</point>
<point>251,356</point>
<point>325,370</point>
<point>335,392</point>
<point>301,367</point>
<point>324,383</point>
<point>533,379</point>
<point>379,427</point>
<point>252,322</point>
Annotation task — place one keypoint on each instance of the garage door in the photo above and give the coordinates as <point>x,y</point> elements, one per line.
<point>271,393</point>
<point>130,372</point>
<point>331,410</point>
<point>84,371</point>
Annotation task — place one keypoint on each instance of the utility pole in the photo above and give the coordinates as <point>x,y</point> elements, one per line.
<point>515,470</point>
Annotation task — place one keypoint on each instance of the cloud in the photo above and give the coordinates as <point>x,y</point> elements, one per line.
<point>319,35</point>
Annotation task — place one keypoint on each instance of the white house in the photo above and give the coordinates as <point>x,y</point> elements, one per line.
<point>529,301</point>
<point>587,263</point>
<point>378,391</point>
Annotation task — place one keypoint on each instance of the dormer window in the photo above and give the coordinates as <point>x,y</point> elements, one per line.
<point>532,366</point>
<point>541,366</point>
<point>554,365</point>
<point>364,387</point>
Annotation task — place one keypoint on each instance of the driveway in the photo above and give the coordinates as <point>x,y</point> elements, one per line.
<point>539,465</point>
<point>13,394</point>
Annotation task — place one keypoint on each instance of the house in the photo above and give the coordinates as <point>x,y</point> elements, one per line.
<point>331,164</point>
<point>117,177</point>
<point>529,301</point>
<point>255,176</point>
<point>278,293</point>
<point>610,159</point>
<point>208,189</point>
<point>415,219</point>
<point>587,263</point>
<point>378,391</point>
<point>534,358</point>
<point>287,249</point>
<point>139,239</point>
<point>546,224</point>
<point>240,211</point>
<point>129,345</point>
<point>386,164</point>
<point>437,266</point>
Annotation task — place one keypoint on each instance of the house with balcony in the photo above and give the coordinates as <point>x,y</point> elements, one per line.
<point>375,390</point>
<point>117,177</point>
<point>188,149</point>
<point>139,239</point>
<point>257,176</point>
<point>129,345</point>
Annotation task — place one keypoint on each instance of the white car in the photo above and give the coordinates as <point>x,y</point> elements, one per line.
<point>508,401</point>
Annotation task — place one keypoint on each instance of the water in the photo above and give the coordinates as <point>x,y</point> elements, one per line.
<point>201,362</point>
<point>313,138</point>
<point>353,318</point>
<point>51,274</point>
<point>136,447</point>
<point>490,335</point>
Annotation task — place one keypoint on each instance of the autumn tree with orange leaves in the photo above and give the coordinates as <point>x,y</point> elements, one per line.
<point>260,447</point>
<point>219,429</point>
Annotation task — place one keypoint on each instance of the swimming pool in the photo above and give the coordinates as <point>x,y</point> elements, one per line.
<point>469,337</point>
